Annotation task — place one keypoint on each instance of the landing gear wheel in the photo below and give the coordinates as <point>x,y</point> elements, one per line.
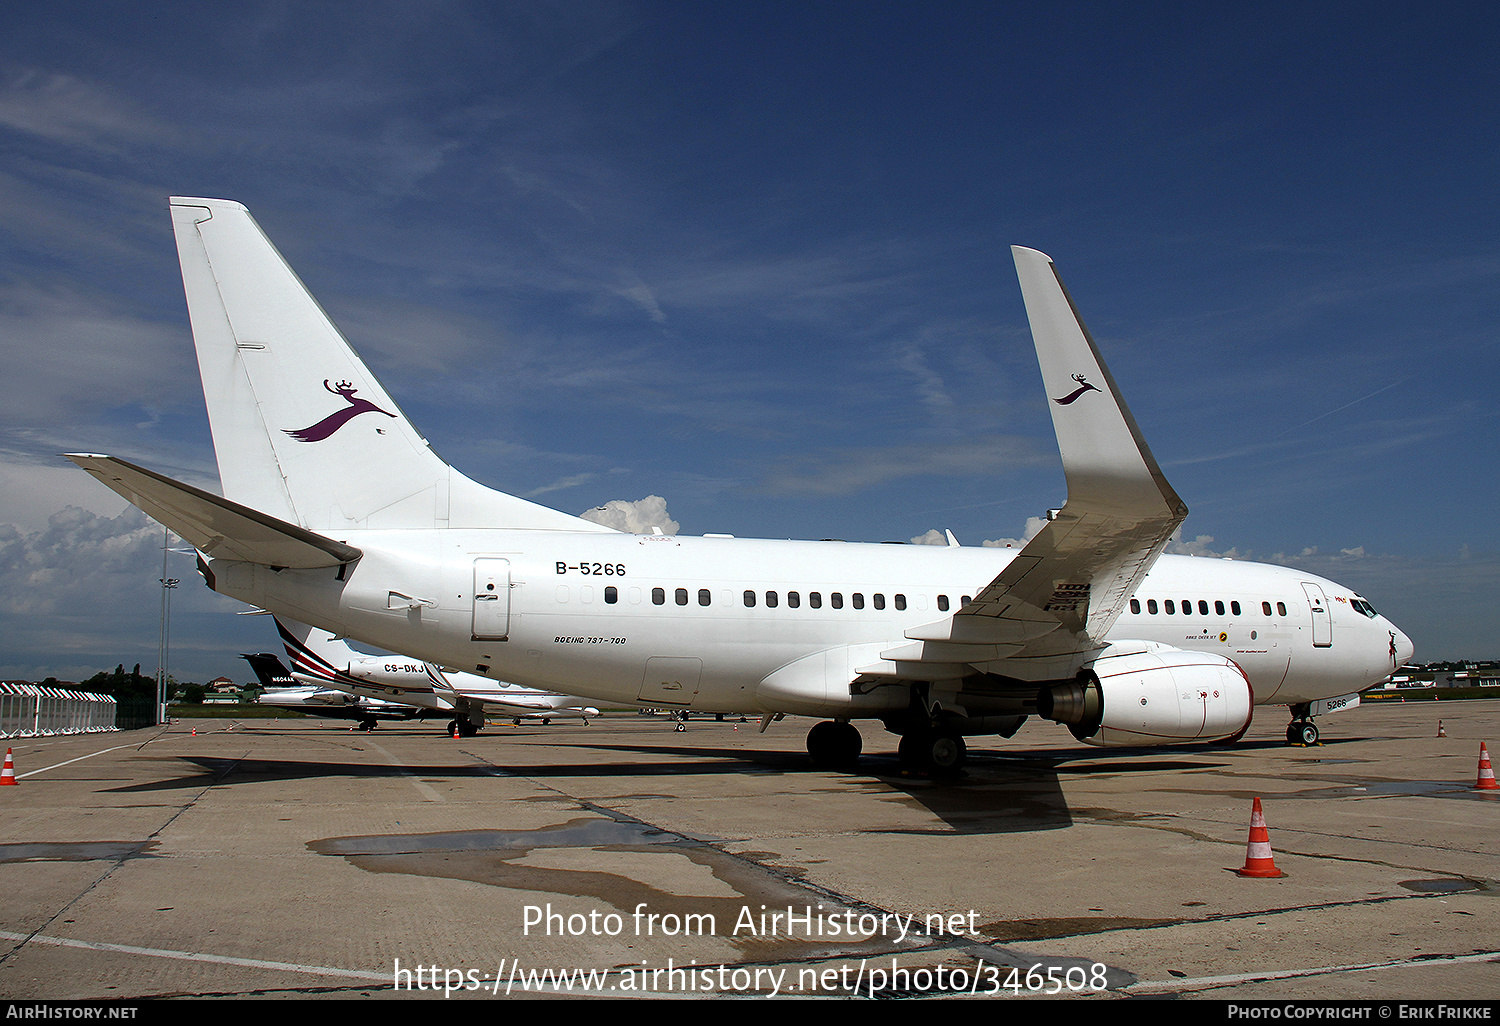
<point>946,753</point>
<point>834,745</point>
<point>1303,732</point>
<point>941,753</point>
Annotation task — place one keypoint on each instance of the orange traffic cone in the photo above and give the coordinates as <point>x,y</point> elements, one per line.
<point>1441,731</point>
<point>1258,860</point>
<point>195,731</point>
<point>8,775</point>
<point>1486,781</point>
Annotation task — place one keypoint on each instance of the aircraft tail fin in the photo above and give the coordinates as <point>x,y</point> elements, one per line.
<point>302,429</point>
<point>269,670</point>
<point>314,653</point>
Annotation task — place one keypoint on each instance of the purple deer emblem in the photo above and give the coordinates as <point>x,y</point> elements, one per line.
<point>1083,386</point>
<point>328,425</point>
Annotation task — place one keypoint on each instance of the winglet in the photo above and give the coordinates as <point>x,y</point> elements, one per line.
<point>1107,462</point>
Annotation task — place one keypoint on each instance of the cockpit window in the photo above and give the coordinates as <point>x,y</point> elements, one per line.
<point>1364,607</point>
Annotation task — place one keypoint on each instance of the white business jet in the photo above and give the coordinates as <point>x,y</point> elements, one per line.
<point>336,512</point>
<point>321,660</point>
<point>283,691</point>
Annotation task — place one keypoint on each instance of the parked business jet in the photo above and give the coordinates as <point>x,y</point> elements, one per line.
<point>321,660</point>
<point>283,691</point>
<point>337,513</point>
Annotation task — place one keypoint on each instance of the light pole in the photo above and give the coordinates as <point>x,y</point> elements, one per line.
<point>167,584</point>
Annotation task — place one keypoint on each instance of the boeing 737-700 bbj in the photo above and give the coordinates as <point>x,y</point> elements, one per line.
<point>337,513</point>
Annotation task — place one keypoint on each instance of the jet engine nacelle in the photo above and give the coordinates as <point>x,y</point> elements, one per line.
<point>1161,695</point>
<point>392,672</point>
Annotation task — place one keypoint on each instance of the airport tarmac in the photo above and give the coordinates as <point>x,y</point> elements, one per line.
<point>298,859</point>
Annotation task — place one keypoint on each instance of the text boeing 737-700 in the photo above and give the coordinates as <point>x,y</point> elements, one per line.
<point>343,517</point>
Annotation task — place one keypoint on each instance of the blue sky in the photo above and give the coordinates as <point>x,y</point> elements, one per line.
<point>753,259</point>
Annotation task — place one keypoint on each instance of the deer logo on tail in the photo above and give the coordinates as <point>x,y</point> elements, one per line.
<point>1083,386</point>
<point>328,425</point>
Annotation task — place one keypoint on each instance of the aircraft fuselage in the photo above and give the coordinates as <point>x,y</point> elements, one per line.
<point>701,623</point>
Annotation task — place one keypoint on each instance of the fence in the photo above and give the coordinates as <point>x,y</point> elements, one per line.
<point>33,710</point>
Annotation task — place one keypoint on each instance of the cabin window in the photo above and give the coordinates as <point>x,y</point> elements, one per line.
<point>1151,606</point>
<point>1281,609</point>
<point>772,600</point>
<point>1202,607</point>
<point>900,601</point>
<point>815,599</point>
<point>1218,608</point>
<point>793,599</point>
<point>836,600</point>
<point>1187,607</point>
<point>1265,607</point>
<point>681,596</point>
<point>878,600</point>
<point>1135,605</point>
<point>611,595</point>
<point>1169,607</point>
<point>1234,607</point>
<point>857,600</point>
<point>749,598</point>
<point>658,596</point>
<point>943,603</point>
<point>966,600</point>
<point>705,597</point>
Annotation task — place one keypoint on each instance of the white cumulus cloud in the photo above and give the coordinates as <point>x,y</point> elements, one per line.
<point>637,517</point>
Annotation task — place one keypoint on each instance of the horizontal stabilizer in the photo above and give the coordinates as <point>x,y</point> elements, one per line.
<point>215,526</point>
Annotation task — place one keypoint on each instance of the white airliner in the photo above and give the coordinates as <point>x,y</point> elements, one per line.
<point>336,512</point>
<point>321,660</point>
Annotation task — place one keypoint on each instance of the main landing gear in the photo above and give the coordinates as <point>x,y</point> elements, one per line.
<point>834,744</point>
<point>1302,730</point>
<point>462,728</point>
<point>936,750</point>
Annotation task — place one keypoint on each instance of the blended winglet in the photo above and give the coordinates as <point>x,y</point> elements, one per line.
<point>1107,462</point>
<point>1069,583</point>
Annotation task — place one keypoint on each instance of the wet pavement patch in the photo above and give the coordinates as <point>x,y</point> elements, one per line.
<point>1043,929</point>
<point>698,889</point>
<point>72,851</point>
<point>1446,886</point>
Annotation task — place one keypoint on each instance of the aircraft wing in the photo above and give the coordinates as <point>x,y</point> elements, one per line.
<point>1068,585</point>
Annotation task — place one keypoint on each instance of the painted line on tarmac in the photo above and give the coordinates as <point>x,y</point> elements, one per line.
<point>421,785</point>
<point>1168,986</point>
<point>199,956</point>
<point>60,765</point>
